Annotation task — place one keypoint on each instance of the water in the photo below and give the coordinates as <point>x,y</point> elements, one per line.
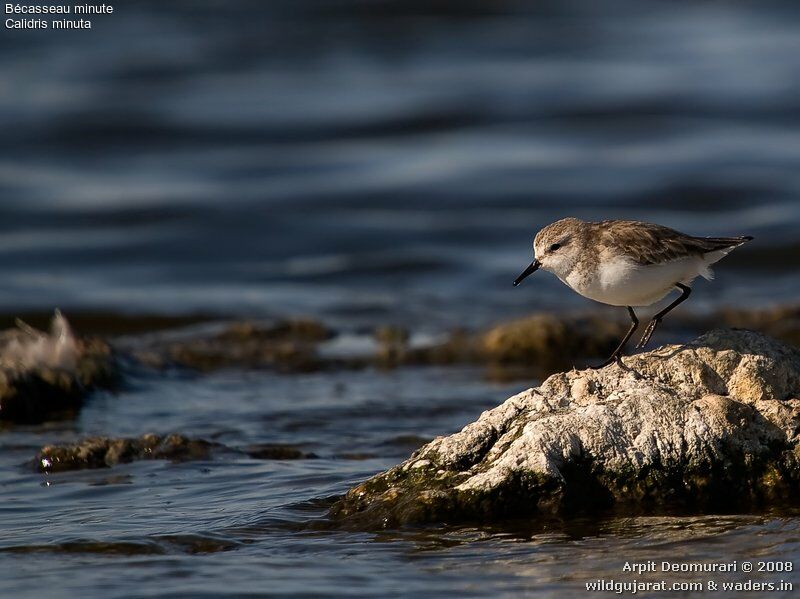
<point>364,163</point>
<point>387,160</point>
<point>237,525</point>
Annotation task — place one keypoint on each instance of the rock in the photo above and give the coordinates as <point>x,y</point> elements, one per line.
<point>713,424</point>
<point>104,452</point>
<point>550,342</point>
<point>544,343</point>
<point>289,346</point>
<point>781,322</point>
<point>392,346</point>
<point>270,451</point>
<point>535,346</point>
<point>44,375</point>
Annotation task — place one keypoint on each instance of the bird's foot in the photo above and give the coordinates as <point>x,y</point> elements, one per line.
<point>648,332</point>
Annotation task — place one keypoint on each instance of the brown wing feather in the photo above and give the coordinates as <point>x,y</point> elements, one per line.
<point>648,243</point>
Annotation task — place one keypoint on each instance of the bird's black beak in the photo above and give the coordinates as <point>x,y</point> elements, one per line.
<point>532,268</point>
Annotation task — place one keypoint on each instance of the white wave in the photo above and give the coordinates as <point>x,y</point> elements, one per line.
<point>29,349</point>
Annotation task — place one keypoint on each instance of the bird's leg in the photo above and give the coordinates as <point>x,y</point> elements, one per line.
<point>618,352</point>
<point>651,327</point>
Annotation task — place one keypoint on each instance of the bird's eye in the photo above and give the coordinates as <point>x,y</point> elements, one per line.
<point>554,247</point>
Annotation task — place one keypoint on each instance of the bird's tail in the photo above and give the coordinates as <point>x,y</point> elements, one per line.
<point>719,243</point>
<point>718,248</point>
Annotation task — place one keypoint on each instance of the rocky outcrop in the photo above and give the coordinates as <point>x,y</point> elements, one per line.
<point>708,425</point>
<point>45,375</point>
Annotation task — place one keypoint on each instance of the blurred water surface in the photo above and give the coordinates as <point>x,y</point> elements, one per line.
<point>387,160</point>
<point>365,162</point>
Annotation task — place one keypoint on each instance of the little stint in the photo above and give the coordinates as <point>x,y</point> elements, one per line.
<point>626,263</point>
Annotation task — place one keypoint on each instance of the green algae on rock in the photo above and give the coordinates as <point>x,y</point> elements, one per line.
<point>712,424</point>
<point>44,375</point>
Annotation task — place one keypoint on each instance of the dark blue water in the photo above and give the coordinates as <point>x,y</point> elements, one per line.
<point>387,160</point>
<point>362,162</point>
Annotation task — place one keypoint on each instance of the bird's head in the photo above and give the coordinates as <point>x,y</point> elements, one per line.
<point>556,248</point>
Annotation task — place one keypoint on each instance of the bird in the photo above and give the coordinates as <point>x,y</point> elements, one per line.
<point>627,263</point>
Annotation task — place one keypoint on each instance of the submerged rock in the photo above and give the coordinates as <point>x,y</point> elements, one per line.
<point>46,374</point>
<point>103,452</point>
<point>709,425</point>
<point>272,451</point>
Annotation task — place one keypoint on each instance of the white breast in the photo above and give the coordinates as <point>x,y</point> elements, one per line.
<point>622,282</point>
